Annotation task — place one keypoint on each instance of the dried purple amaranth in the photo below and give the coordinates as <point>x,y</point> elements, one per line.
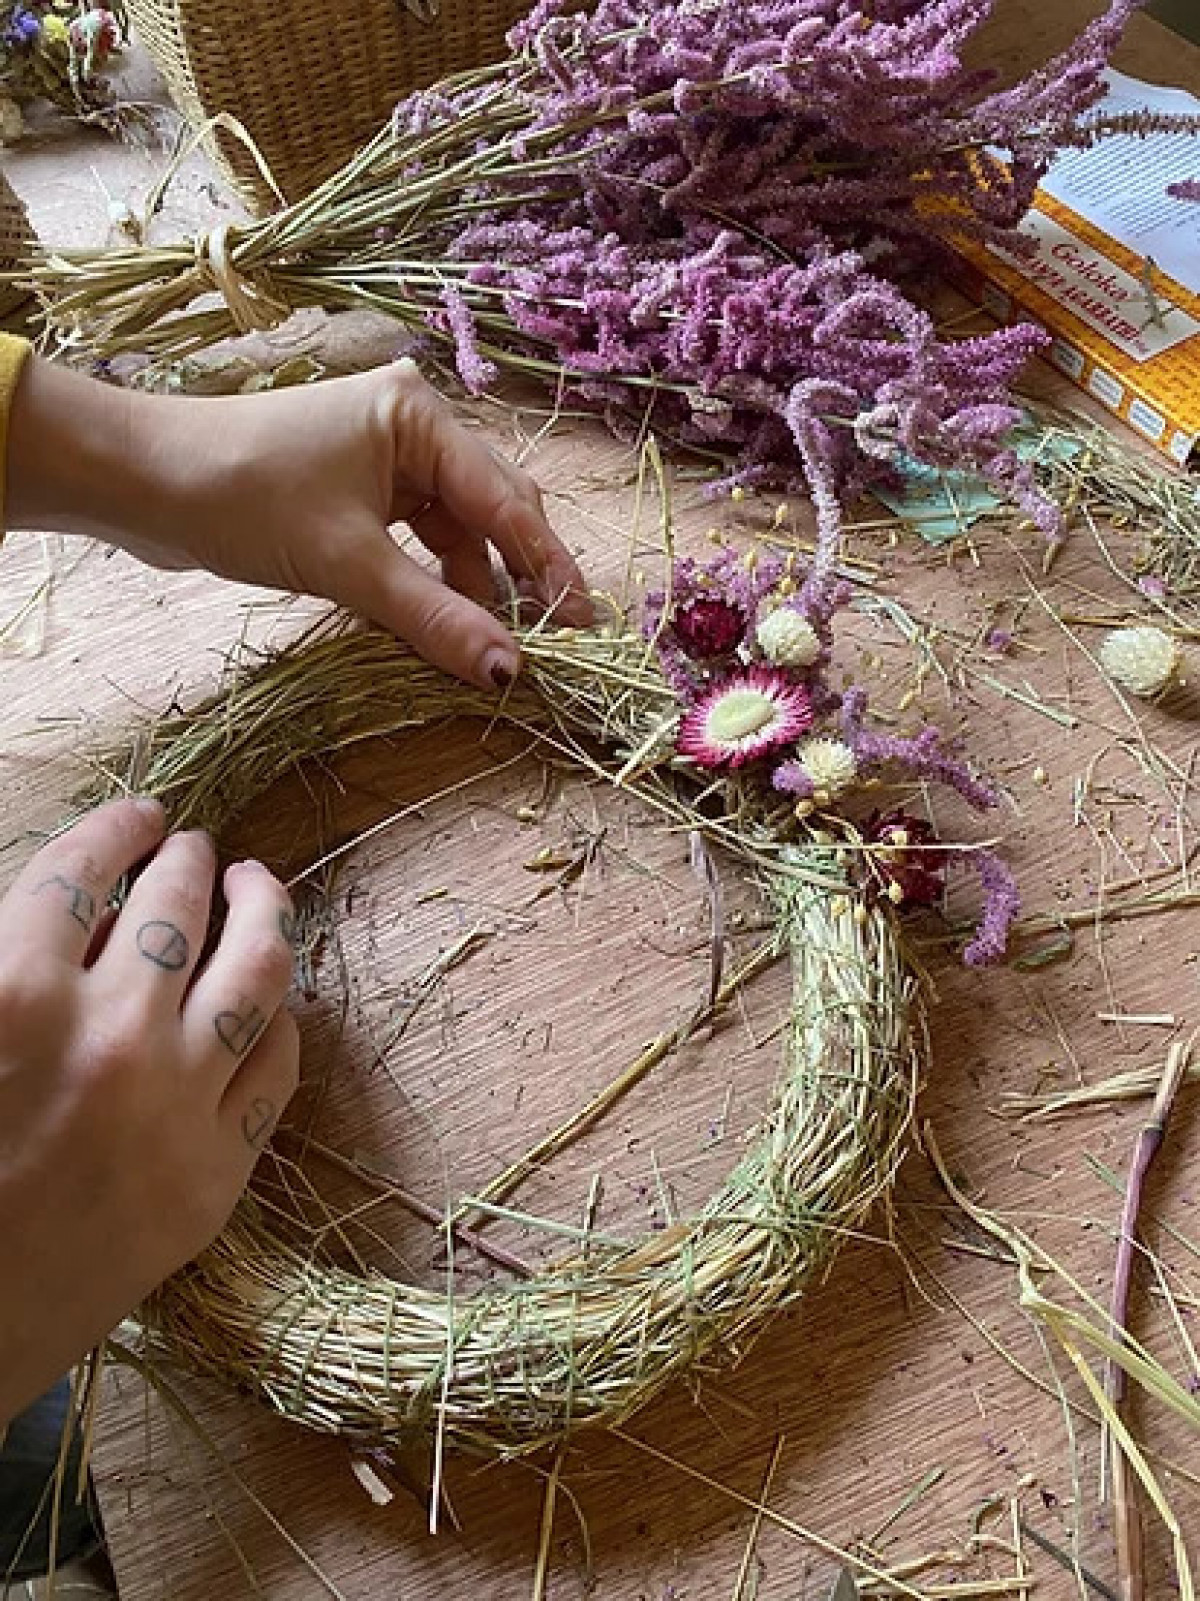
<point>718,213</point>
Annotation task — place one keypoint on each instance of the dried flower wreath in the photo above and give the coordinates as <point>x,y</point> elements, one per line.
<point>718,713</point>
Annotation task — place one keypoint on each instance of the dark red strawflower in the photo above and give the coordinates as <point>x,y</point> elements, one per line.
<point>910,859</point>
<point>707,629</point>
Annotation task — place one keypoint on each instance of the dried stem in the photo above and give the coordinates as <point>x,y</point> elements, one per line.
<point>374,1179</point>
<point>579,1124</point>
<point>1124,1487</point>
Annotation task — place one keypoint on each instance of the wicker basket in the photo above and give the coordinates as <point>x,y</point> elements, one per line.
<point>311,80</point>
<point>15,234</point>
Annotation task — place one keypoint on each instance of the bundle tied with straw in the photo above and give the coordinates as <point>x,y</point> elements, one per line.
<point>712,719</point>
<point>721,217</point>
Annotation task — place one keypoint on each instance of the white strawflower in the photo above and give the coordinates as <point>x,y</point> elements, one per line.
<point>1142,660</point>
<point>829,764</point>
<point>787,639</point>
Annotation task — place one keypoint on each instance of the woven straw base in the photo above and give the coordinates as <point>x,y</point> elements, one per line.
<point>590,1338</point>
<point>310,80</point>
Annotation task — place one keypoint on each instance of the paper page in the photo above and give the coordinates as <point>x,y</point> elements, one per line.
<point>1120,185</point>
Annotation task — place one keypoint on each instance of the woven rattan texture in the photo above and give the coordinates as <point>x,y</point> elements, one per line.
<point>15,234</point>
<point>310,80</point>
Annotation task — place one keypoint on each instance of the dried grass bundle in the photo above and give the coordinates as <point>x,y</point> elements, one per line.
<point>596,1335</point>
<point>1113,489</point>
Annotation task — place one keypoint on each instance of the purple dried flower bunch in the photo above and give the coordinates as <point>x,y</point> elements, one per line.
<point>715,212</point>
<point>720,217</point>
<point>19,26</point>
<point>745,642</point>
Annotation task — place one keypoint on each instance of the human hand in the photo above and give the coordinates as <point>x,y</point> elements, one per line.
<point>136,1091</point>
<point>295,489</point>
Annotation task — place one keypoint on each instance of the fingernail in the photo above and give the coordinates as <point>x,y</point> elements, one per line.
<point>152,810</point>
<point>502,668</point>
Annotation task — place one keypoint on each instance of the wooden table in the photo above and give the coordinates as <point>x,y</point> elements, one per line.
<point>889,1377</point>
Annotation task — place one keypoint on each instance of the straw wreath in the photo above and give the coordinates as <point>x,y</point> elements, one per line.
<point>598,1333</point>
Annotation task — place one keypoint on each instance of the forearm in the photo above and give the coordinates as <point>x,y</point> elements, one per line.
<point>43,1333</point>
<point>297,490</point>
<point>80,453</point>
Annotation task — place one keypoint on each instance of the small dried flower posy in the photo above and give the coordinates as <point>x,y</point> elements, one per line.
<point>746,644</point>
<point>56,50</point>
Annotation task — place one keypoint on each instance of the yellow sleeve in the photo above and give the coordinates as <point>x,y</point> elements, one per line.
<point>12,359</point>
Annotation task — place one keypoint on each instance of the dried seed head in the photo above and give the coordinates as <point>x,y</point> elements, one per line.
<point>788,639</point>
<point>1145,660</point>
<point>830,765</point>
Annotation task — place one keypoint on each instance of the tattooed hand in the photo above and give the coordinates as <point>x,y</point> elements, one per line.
<point>296,489</point>
<point>137,1087</point>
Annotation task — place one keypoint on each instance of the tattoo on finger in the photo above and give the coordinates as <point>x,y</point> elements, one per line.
<point>239,1029</point>
<point>258,1122</point>
<point>163,944</point>
<point>81,903</point>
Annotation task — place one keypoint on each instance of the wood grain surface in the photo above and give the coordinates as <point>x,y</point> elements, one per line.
<point>889,1374</point>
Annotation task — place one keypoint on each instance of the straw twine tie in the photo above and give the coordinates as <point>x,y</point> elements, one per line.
<point>253,309</point>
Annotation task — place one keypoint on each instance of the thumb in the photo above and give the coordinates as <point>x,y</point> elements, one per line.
<point>441,625</point>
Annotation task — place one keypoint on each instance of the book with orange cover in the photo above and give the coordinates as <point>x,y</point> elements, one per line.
<point>1112,273</point>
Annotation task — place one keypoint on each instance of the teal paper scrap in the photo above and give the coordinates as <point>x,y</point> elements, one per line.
<point>943,503</point>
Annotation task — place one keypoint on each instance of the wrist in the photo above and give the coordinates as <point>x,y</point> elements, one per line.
<point>82,455</point>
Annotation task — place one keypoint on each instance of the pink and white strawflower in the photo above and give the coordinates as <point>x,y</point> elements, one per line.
<point>749,716</point>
